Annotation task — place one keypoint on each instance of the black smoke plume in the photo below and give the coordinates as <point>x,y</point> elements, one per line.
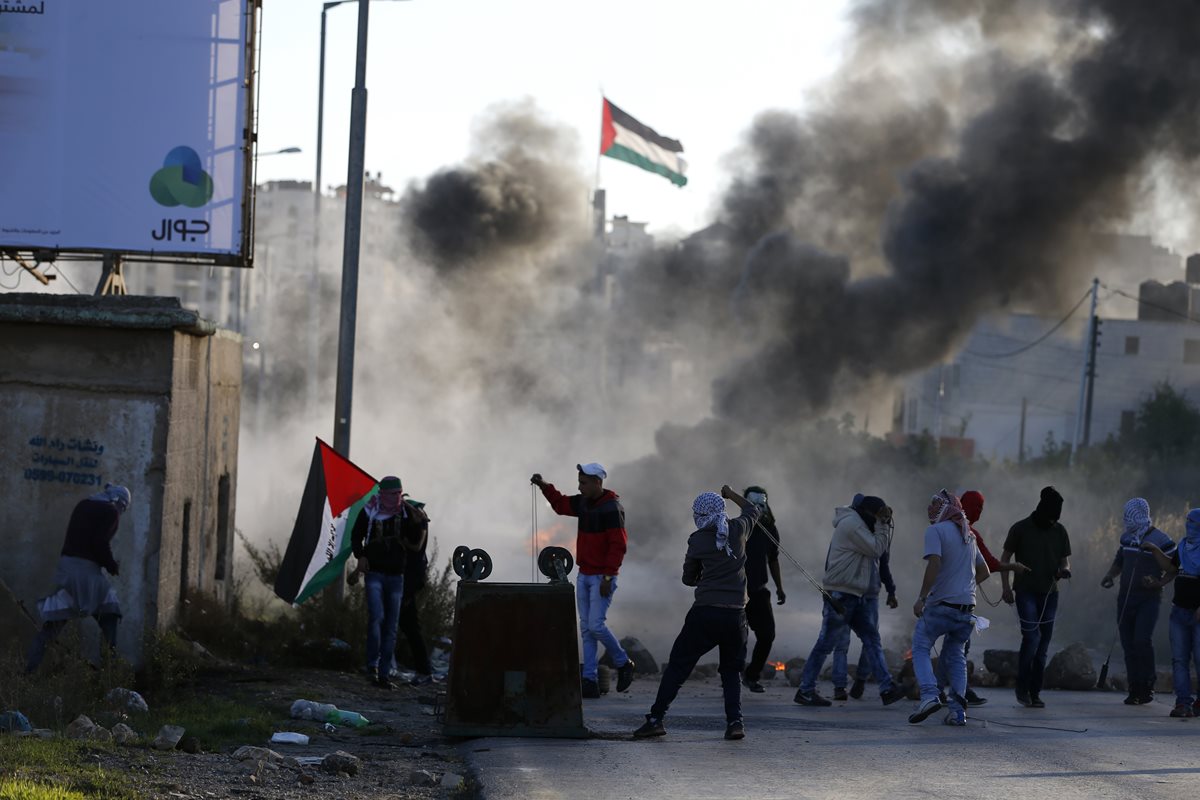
<point>517,194</point>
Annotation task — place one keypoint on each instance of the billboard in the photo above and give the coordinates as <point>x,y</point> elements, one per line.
<point>123,127</point>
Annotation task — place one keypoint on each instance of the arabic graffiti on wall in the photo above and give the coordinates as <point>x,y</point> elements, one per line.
<point>63,460</point>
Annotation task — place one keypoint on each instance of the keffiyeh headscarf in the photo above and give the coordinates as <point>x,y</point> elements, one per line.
<point>386,503</point>
<point>1137,519</point>
<point>708,510</point>
<point>946,507</point>
<point>1189,548</point>
<point>117,495</point>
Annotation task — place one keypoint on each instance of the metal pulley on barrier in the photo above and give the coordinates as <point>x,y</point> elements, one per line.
<point>471,565</point>
<point>556,563</point>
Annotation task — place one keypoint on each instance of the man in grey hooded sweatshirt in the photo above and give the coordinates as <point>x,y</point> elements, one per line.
<point>860,537</point>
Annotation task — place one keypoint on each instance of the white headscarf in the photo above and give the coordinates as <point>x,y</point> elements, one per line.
<point>119,496</point>
<point>1137,518</point>
<point>709,512</point>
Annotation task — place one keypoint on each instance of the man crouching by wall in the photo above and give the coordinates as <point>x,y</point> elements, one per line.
<point>716,565</point>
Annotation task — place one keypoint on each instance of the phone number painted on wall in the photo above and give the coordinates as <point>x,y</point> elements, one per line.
<point>76,478</point>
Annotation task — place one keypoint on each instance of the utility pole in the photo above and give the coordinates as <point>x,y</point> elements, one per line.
<point>354,205</point>
<point>1021,437</point>
<point>1083,378</point>
<point>1091,381</point>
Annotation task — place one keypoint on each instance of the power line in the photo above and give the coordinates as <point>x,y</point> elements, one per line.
<point>1166,309</point>
<point>1038,340</point>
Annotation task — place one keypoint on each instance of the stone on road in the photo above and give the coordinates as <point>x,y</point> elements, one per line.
<point>854,749</point>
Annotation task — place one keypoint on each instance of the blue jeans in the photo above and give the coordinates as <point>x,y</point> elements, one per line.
<point>842,647</point>
<point>833,626</point>
<point>1137,639</point>
<point>704,628</point>
<point>1185,652</point>
<point>384,593</point>
<point>1036,614</point>
<point>956,626</point>
<point>593,610</point>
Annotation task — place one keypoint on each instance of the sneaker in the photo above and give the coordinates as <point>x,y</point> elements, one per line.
<point>810,698</point>
<point>1183,710</point>
<point>955,718</point>
<point>1132,699</point>
<point>625,675</point>
<point>735,730</point>
<point>1023,698</point>
<point>924,710</point>
<point>891,695</point>
<point>1035,701</point>
<point>974,699</point>
<point>420,680</point>
<point>839,693</point>
<point>384,683</point>
<point>856,689</point>
<point>753,686</point>
<point>651,727</point>
<point>1146,697</point>
<point>591,689</point>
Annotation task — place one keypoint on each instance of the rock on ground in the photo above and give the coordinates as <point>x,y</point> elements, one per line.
<point>83,728</point>
<point>249,752</point>
<point>168,737</point>
<point>1002,663</point>
<point>421,777</point>
<point>123,734</point>
<point>1071,668</point>
<point>341,761</point>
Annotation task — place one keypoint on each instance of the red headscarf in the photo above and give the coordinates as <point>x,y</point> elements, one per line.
<point>972,505</point>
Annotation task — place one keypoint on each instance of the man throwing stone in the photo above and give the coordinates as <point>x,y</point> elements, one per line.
<point>599,550</point>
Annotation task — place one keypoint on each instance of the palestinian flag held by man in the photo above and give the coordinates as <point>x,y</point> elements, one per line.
<point>624,138</point>
<point>335,493</point>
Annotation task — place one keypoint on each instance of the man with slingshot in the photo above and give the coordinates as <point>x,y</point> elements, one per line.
<point>861,534</point>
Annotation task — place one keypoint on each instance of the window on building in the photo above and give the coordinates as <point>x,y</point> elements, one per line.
<point>1127,420</point>
<point>222,526</point>
<point>185,552</point>
<point>1191,351</point>
<point>1132,345</point>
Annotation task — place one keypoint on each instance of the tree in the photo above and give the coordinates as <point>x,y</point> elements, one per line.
<point>1167,426</point>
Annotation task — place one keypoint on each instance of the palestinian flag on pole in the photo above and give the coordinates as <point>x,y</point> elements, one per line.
<point>335,493</point>
<point>624,138</point>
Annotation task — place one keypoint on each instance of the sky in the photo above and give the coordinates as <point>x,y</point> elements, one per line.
<point>696,72</point>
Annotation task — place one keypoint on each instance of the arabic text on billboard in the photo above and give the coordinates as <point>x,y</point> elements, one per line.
<point>122,125</point>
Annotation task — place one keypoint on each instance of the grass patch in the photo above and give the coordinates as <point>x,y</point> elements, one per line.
<point>57,769</point>
<point>217,722</point>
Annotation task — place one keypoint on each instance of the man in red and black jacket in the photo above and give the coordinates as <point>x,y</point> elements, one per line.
<point>599,550</point>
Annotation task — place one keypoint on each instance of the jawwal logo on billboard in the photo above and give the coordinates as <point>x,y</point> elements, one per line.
<point>182,181</point>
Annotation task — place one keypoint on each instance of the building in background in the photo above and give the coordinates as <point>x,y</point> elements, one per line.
<point>1009,397</point>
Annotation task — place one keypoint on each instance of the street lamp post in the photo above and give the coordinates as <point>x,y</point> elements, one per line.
<point>355,166</point>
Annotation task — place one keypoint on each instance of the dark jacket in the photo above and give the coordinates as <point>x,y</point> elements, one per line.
<point>720,577</point>
<point>92,526</point>
<point>383,542</point>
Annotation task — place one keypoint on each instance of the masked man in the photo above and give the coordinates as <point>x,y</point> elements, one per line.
<point>946,606</point>
<point>860,536</point>
<point>384,534</point>
<point>762,556</point>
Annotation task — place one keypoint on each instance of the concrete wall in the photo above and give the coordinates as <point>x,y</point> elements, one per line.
<point>121,390</point>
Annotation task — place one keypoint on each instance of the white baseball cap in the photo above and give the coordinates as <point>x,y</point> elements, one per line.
<point>593,469</point>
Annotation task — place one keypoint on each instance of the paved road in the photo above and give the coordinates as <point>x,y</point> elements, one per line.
<point>857,749</point>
